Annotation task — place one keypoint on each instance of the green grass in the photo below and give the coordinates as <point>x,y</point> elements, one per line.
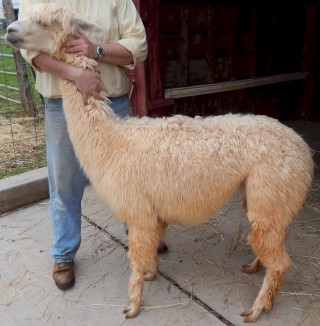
<point>7,64</point>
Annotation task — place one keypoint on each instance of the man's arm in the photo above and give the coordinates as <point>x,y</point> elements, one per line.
<point>114,53</point>
<point>86,81</point>
<point>128,51</point>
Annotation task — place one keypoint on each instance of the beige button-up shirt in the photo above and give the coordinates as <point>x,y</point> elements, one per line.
<point>122,25</point>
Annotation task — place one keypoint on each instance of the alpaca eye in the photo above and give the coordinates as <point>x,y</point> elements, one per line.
<point>41,24</point>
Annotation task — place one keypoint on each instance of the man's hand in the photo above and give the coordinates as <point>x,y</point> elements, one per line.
<point>87,81</point>
<point>88,84</point>
<point>79,45</point>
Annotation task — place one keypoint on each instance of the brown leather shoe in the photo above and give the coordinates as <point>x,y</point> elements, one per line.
<point>63,275</point>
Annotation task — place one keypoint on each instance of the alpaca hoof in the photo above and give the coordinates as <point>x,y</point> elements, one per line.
<point>151,276</point>
<point>131,312</point>
<point>250,316</point>
<point>248,269</point>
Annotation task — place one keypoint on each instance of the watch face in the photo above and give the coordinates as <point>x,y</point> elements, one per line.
<point>100,51</point>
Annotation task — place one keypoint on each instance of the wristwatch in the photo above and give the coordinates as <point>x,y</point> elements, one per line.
<point>100,52</point>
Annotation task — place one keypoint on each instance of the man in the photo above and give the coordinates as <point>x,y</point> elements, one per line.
<point>125,45</point>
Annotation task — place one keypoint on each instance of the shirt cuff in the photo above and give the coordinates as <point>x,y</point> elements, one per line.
<point>29,56</point>
<point>139,53</point>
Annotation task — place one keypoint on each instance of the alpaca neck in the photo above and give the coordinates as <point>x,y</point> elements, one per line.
<point>80,62</point>
<point>89,126</point>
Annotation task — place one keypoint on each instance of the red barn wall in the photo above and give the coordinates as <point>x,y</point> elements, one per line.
<point>195,43</point>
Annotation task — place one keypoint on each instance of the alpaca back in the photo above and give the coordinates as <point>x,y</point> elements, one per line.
<point>196,166</point>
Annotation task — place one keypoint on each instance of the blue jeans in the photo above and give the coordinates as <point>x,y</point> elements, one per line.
<point>66,178</point>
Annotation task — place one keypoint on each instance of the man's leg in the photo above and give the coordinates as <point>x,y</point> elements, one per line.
<point>66,186</point>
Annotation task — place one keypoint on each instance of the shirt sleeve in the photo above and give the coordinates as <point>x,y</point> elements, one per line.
<point>132,32</point>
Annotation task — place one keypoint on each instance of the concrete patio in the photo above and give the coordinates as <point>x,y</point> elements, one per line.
<point>199,281</point>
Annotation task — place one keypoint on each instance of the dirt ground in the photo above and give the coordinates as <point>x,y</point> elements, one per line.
<point>22,145</point>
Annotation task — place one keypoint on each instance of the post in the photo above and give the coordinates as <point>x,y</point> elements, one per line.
<point>24,85</point>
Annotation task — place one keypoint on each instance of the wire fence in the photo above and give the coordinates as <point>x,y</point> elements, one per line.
<point>22,141</point>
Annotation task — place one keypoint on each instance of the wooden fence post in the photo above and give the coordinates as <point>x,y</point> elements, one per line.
<point>25,88</point>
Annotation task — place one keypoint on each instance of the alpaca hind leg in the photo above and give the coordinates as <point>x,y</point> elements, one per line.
<point>143,243</point>
<point>268,244</point>
<point>256,264</point>
<point>264,301</point>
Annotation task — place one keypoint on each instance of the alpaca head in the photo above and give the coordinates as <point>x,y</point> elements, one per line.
<point>46,27</point>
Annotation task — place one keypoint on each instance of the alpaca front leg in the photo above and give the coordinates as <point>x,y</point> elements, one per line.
<point>143,243</point>
<point>135,293</point>
<point>158,235</point>
<point>151,274</point>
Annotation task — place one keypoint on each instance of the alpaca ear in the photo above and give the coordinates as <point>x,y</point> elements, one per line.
<point>85,26</point>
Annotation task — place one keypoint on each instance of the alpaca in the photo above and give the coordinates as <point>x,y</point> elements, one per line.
<point>151,172</point>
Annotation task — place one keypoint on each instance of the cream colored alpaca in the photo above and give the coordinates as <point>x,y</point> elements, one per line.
<point>151,172</point>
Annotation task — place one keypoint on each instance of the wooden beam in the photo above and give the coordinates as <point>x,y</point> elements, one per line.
<point>232,85</point>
